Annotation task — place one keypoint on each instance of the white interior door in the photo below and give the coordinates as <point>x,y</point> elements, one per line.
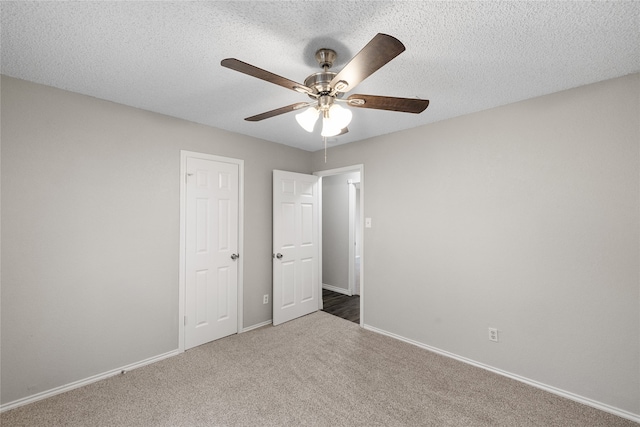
<point>211,259</point>
<point>296,245</point>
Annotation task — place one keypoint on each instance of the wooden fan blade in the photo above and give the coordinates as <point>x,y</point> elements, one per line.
<point>277,112</point>
<point>265,75</point>
<point>380,50</point>
<point>343,131</point>
<point>404,105</point>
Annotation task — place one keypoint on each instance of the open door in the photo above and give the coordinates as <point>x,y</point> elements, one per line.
<point>296,245</point>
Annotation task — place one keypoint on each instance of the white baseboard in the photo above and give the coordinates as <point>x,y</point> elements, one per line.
<point>86,381</point>
<point>92,379</point>
<point>257,325</point>
<point>336,289</point>
<point>567,394</point>
<point>572,396</point>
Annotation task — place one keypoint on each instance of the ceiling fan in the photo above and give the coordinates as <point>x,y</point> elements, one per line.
<point>327,88</point>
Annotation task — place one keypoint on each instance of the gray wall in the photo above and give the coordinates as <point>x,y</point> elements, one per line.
<point>335,229</point>
<point>524,218</point>
<point>90,230</point>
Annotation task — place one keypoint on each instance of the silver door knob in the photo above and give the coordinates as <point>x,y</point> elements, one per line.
<point>235,256</point>
<point>279,255</point>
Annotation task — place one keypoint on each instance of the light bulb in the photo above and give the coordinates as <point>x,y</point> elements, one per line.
<point>340,116</point>
<point>338,119</point>
<point>307,119</point>
<point>329,128</point>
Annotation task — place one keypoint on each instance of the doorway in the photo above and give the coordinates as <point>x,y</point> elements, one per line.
<point>342,198</point>
<point>344,306</point>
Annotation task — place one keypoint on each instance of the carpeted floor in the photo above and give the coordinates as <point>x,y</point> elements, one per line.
<point>318,370</point>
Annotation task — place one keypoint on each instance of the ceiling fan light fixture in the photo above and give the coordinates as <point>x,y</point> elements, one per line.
<point>307,119</point>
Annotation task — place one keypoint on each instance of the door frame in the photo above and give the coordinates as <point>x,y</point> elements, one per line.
<point>183,236</point>
<point>352,237</point>
<point>340,171</point>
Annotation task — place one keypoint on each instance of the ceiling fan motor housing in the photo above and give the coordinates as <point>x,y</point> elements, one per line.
<point>320,82</point>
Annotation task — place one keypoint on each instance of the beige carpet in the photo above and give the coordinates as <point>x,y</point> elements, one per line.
<point>318,370</point>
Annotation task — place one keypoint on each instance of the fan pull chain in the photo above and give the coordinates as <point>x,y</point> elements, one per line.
<point>324,138</point>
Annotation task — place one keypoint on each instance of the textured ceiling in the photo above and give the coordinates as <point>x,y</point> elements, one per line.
<point>462,56</point>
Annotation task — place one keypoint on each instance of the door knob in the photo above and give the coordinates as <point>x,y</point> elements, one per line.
<point>279,255</point>
<point>235,256</point>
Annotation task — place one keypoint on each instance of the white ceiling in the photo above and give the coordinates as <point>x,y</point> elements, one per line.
<point>462,56</point>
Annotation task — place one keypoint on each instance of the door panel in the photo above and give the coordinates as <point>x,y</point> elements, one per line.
<point>211,275</point>
<point>307,284</point>
<point>288,285</point>
<point>296,221</point>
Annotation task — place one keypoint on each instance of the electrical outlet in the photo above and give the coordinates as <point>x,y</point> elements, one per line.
<point>265,299</point>
<point>493,334</point>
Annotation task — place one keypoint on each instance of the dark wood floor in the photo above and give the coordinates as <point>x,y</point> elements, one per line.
<point>344,306</point>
